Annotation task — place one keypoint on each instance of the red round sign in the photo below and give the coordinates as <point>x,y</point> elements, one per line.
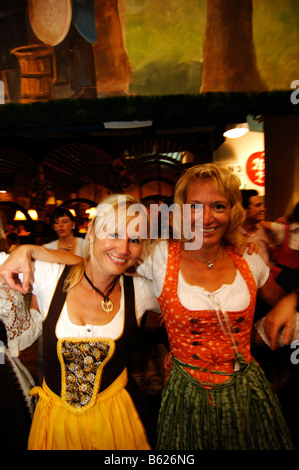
<point>255,168</point>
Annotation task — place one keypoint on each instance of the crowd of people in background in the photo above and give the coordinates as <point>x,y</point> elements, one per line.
<point>278,244</point>
<point>201,303</point>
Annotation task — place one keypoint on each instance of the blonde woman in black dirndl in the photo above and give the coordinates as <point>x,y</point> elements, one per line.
<point>91,315</point>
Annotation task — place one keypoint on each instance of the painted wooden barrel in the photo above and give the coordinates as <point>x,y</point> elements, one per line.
<point>37,66</point>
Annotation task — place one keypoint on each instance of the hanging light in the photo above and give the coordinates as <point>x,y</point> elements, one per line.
<point>51,201</point>
<point>33,214</point>
<point>233,131</point>
<point>91,212</point>
<point>19,215</point>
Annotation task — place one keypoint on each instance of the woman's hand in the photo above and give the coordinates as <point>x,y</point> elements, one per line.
<point>18,262</point>
<point>282,316</point>
<point>251,248</point>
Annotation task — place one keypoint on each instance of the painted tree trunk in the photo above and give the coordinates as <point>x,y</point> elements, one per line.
<point>229,62</point>
<point>112,64</point>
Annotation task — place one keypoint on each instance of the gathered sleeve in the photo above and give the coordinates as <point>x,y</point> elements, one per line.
<point>154,266</point>
<point>258,267</point>
<point>144,297</point>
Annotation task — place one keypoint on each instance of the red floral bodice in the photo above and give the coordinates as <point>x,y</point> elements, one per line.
<point>196,337</point>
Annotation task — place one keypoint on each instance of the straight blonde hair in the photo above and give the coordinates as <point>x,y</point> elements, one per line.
<point>106,210</point>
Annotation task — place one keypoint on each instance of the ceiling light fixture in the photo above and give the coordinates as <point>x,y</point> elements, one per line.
<point>19,216</point>
<point>92,212</point>
<point>233,131</point>
<point>33,214</point>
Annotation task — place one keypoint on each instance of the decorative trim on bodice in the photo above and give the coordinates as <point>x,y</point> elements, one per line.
<point>59,354</point>
<point>82,361</point>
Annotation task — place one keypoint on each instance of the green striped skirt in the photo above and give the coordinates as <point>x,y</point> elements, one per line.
<point>241,414</point>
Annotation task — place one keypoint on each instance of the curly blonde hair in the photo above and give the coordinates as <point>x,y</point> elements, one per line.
<point>227,184</point>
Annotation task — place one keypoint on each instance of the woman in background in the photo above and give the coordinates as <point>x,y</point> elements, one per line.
<point>64,224</point>
<point>286,252</point>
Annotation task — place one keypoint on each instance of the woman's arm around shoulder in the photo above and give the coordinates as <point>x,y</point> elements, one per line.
<point>20,262</point>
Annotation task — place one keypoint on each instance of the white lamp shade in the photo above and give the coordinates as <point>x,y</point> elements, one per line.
<point>33,214</point>
<point>19,215</point>
<point>91,212</point>
<point>233,131</point>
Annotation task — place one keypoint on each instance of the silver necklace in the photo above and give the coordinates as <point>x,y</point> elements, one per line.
<point>209,263</point>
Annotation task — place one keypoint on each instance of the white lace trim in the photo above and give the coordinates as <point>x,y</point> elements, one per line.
<point>23,327</point>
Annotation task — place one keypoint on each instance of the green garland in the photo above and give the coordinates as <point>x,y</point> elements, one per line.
<point>201,108</point>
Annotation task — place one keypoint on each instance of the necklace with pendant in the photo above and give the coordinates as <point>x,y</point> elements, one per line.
<point>107,304</point>
<point>65,248</point>
<point>68,248</point>
<point>209,263</point>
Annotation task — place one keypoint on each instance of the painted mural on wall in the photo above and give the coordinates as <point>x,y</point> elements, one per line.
<point>52,49</point>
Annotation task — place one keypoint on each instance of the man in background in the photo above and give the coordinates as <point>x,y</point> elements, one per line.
<point>252,227</point>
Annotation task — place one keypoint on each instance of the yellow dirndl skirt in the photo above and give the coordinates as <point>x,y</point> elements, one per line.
<point>111,424</point>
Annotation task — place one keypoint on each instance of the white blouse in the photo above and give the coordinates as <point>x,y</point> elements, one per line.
<point>46,276</point>
<point>79,251</point>
<point>45,279</point>
<point>229,297</point>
